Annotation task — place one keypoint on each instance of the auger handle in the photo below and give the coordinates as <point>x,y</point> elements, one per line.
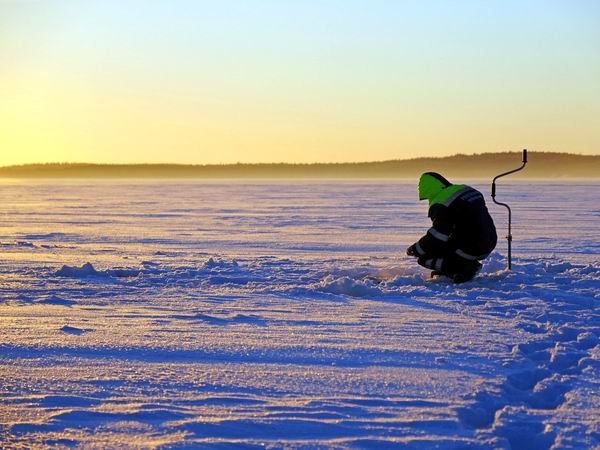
<point>509,237</point>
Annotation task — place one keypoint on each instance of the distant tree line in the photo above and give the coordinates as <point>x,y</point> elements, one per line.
<point>545,165</point>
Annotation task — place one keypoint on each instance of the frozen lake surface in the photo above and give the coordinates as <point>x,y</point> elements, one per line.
<point>210,314</point>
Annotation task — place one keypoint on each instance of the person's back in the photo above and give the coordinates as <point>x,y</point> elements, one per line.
<point>463,231</point>
<point>474,230</point>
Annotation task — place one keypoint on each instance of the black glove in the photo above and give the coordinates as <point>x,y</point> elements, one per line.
<point>412,250</point>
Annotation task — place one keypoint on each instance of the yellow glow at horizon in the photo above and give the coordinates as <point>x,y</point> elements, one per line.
<point>44,119</point>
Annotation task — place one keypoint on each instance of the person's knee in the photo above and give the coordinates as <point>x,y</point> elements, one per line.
<point>430,262</point>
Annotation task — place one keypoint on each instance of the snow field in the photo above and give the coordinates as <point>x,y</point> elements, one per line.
<point>270,314</point>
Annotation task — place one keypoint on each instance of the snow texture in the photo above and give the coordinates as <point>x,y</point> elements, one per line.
<point>269,315</point>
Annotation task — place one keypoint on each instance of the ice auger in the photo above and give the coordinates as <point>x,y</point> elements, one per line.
<point>509,236</point>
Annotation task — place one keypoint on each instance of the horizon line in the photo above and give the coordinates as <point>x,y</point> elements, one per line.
<point>240,163</point>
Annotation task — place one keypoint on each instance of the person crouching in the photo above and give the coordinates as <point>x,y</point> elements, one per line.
<point>462,234</point>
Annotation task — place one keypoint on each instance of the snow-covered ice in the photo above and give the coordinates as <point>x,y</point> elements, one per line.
<point>285,314</point>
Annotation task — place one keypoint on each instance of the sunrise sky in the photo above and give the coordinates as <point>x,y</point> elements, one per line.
<point>295,81</point>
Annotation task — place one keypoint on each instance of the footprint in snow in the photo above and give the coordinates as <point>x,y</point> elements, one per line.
<point>229,320</point>
<point>73,330</point>
<point>55,300</point>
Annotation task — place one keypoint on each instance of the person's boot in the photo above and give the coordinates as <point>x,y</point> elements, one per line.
<point>467,273</point>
